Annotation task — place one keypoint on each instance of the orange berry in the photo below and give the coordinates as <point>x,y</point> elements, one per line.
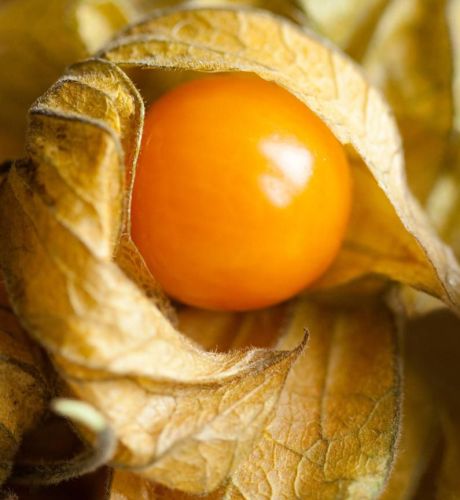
<point>242,194</point>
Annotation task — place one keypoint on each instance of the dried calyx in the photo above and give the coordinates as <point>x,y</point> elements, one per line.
<point>184,417</point>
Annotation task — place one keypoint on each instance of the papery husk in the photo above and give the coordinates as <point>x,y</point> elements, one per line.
<point>453,15</point>
<point>24,389</point>
<point>335,429</point>
<point>126,485</point>
<point>180,405</point>
<point>39,39</point>
<point>348,24</point>
<point>336,424</point>
<point>184,417</point>
<point>245,40</point>
<point>444,202</point>
<point>410,59</point>
<point>408,49</point>
<point>420,434</point>
<point>288,8</point>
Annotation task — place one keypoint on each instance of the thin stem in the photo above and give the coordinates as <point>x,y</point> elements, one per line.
<point>88,461</point>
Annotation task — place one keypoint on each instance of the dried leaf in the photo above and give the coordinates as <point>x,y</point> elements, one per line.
<point>444,201</point>
<point>219,40</point>
<point>223,331</point>
<point>128,486</point>
<point>409,49</point>
<point>410,59</point>
<point>372,245</point>
<point>39,39</point>
<point>335,427</point>
<point>420,432</point>
<point>23,387</point>
<point>453,16</point>
<point>334,432</point>
<point>154,84</point>
<point>180,405</point>
<point>287,8</point>
<point>348,24</point>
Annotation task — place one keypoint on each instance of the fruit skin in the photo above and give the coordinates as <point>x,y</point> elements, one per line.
<point>242,194</point>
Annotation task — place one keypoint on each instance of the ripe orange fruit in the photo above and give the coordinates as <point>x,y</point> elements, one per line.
<point>241,196</point>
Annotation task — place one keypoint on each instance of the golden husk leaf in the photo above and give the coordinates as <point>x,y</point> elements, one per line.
<point>409,58</point>
<point>179,405</point>
<point>349,24</point>
<point>397,233</point>
<point>129,486</point>
<point>184,417</point>
<point>38,40</point>
<point>23,386</point>
<point>444,200</point>
<point>335,427</point>
<point>288,8</point>
<point>419,436</point>
<point>410,50</point>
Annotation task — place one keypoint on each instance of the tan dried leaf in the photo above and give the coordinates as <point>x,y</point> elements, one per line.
<point>23,387</point>
<point>410,59</point>
<point>444,201</point>
<point>420,432</point>
<point>336,424</point>
<point>287,8</point>
<point>453,16</point>
<point>388,234</point>
<point>335,427</point>
<point>334,431</point>
<point>129,486</point>
<point>349,24</point>
<point>182,409</point>
<point>39,39</point>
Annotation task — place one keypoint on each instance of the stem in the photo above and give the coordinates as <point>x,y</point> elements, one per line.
<point>88,461</point>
